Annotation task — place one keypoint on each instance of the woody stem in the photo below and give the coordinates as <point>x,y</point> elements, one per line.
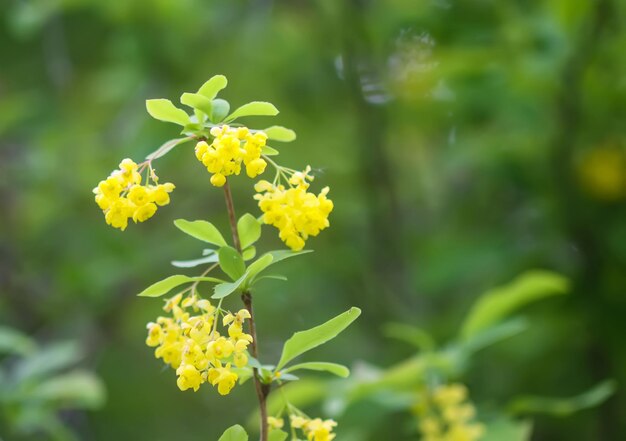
<point>262,390</point>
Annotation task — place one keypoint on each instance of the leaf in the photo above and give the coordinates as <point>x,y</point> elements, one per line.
<point>224,289</point>
<point>254,108</point>
<point>231,262</point>
<point>48,359</point>
<point>563,407</point>
<point>493,334</point>
<point>201,230</point>
<point>304,341</point>
<point>269,151</point>
<point>166,285</point>
<point>14,342</point>
<point>279,255</point>
<point>249,253</point>
<point>78,389</point>
<point>333,368</point>
<point>211,88</point>
<point>504,428</point>
<point>197,101</point>
<point>500,302</point>
<point>220,110</point>
<point>279,133</point>
<point>410,334</point>
<point>277,435</point>
<point>211,258</point>
<point>166,148</point>
<point>249,229</point>
<point>270,276</point>
<point>234,433</point>
<point>258,265</point>
<point>164,110</point>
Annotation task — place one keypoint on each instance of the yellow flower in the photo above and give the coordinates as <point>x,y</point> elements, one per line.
<point>188,377</point>
<point>154,334</point>
<point>298,422</point>
<point>320,430</point>
<point>275,423</point>
<point>296,212</point>
<point>223,377</point>
<point>118,213</point>
<point>230,148</point>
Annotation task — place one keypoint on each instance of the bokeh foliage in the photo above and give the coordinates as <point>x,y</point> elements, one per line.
<point>464,143</point>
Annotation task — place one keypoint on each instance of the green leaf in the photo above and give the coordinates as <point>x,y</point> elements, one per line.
<point>279,255</point>
<point>211,88</point>
<point>279,133</point>
<point>201,230</point>
<point>304,341</point>
<point>14,342</point>
<point>224,289</point>
<point>255,108</point>
<point>220,110</point>
<point>197,101</point>
<point>499,303</point>
<point>249,253</point>
<point>333,368</point>
<point>166,285</point>
<point>493,334</point>
<point>563,407</point>
<point>410,334</point>
<point>258,265</point>
<point>166,148</point>
<point>211,258</point>
<point>277,435</point>
<point>504,428</point>
<point>231,262</point>
<point>234,433</point>
<point>249,229</point>
<point>269,151</point>
<point>48,359</point>
<point>271,277</point>
<point>164,110</point>
<point>78,389</point>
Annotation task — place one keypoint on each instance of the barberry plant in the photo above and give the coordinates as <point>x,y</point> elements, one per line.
<point>199,337</point>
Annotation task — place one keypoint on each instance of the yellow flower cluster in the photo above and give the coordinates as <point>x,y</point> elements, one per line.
<point>231,147</point>
<point>192,345</point>
<point>296,212</point>
<point>121,196</point>
<point>446,415</point>
<point>314,429</point>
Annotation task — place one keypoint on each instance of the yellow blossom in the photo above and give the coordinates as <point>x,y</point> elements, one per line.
<point>275,423</point>
<point>188,377</point>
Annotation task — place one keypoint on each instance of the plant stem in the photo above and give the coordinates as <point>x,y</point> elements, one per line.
<point>262,390</point>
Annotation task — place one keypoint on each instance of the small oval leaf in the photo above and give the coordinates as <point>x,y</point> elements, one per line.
<point>201,230</point>
<point>249,229</point>
<point>197,101</point>
<point>280,133</point>
<point>333,368</point>
<point>255,108</point>
<point>234,433</point>
<point>231,262</point>
<point>220,110</point>
<point>211,88</point>
<point>164,110</point>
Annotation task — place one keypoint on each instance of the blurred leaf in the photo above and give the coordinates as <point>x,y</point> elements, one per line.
<point>506,429</point>
<point>167,147</point>
<point>270,276</point>
<point>166,285</point>
<point>269,151</point>
<point>197,101</point>
<point>234,433</point>
<point>47,360</point>
<point>225,289</point>
<point>249,229</point>
<point>279,133</point>
<point>333,368</point>
<point>254,108</point>
<point>211,88</point>
<point>165,110</point>
<point>259,265</point>
<point>231,262</point>
<point>14,342</point>
<point>410,334</point>
<point>220,110</point>
<point>563,407</point>
<point>304,341</point>
<point>249,253</point>
<point>277,435</point>
<point>201,230</point>
<point>494,334</point>
<point>211,258</point>
<point>500,302</point>
<point>77,389</point>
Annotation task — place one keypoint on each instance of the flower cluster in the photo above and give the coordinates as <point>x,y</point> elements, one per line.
<point>121,196</point>
<point>296,212</point>
<point>231,147</point>
<point>192,345</point>
<point>446,415</point>
<point>314,429</point>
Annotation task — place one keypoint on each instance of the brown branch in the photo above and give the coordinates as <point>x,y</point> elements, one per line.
<point>262,390</point>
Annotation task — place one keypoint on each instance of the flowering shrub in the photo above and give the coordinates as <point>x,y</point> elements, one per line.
<point>200,338</point>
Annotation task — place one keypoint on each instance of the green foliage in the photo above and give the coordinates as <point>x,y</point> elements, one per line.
<point>165,110</point>
<point>277,435</point>
<point>212,87</point>
<point>197,101</point>
<point>231,262</point>
<point>333,368</point>
<point>14,342</point>
<point>280,133</point>
<point>201,230</point>
<point>234,433</point>
<point>304,341</point>
<point>254,108</point>
<point>164,286</point>
<point>507,429</point>
<point>249,229</point>
<point>500,302</point>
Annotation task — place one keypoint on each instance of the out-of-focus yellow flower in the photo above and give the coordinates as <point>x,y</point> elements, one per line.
<point>121,196</point>
<point>296,212</point>
<point>230,148</point>
<point>275,423</point>
<point>314,429</point>
<point>602,172</point>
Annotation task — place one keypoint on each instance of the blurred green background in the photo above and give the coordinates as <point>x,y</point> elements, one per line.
<point>464,143</point>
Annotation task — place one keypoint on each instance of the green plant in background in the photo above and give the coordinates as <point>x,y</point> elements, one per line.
<point>199,338</point>
<point>37,382</point>
<point>428,387</point>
